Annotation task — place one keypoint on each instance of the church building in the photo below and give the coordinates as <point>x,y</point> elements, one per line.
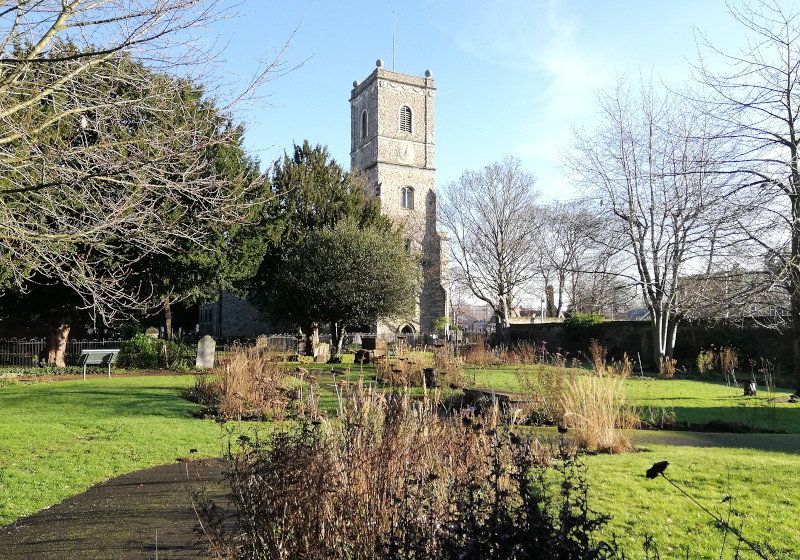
<point>392,143</point>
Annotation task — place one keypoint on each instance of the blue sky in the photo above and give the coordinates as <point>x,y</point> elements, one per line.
<point>512,77</point>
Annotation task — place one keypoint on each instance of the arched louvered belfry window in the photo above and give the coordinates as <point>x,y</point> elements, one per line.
<point>407,197</point>
<point>363,125</point>
<point>405,118</point>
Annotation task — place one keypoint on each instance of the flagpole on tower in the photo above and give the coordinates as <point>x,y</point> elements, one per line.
<point>393,69</point>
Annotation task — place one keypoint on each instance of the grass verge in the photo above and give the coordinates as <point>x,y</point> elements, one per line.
<point>759,483</point>
<point>60,438</point>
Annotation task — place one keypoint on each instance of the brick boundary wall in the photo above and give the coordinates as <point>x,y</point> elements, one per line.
<point>751,341</point>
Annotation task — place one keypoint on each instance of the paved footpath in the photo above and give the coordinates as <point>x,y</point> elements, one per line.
<point>143,515</point>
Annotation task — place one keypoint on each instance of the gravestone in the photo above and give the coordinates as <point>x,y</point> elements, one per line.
<point>368,342</point>
<point>357,338</point>
<point>430,377</point>
<point>400,342</point>
<point>152,332</point>
<point>378,346</point>
<point>321,353</point>
<point>206,347</point>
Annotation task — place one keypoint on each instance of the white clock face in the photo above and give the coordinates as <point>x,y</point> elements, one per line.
<point>405,153</point>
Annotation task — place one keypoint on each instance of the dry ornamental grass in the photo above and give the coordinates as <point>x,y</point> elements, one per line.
<point>248,384</point>
<point>391,478</point>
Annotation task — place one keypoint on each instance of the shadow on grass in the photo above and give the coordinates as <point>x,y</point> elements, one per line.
<point>787,443</point>
<point>749,417</point>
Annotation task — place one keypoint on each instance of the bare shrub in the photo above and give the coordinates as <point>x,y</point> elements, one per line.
<point>622,368</point>
<point>245,385</point>
<point>523,353</point>
<point>705,361</point>
<point>529,354</point>
<point>405,370</point>
<point>206,391</point>
<point>392,479</point>
<point>507,356</point>
<point>449,367</point>
<point>479,355</point>
<point>559,360</point>
<point>666,367</point>
<point>599,354</point>
<point>725,361</point>
<point>545,389</point>
<point>594,407</point>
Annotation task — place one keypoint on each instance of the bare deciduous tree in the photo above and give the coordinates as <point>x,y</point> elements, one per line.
<point>566,246</point>
<point>654,174</point>
<point>103,148</point>
<point>489,215</point>
<point>756,102</point>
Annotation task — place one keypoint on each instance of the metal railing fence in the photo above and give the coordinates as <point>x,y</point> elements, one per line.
<point>23,352</point>
<point>289,343</point>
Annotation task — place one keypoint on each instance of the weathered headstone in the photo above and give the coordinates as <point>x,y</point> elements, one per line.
<point>430,377</point>
<point>206,347</point>
<point>378,346</point>
<point>357,338</point>
<point>321,353</point>
<point>152,332</point>
<point>368,342</point>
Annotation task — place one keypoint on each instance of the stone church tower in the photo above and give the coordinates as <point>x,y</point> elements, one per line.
<point>392,144</point>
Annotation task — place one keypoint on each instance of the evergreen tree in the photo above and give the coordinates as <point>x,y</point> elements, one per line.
<point>310,193</point>
<point>126,205</point>
<point>347,275</point>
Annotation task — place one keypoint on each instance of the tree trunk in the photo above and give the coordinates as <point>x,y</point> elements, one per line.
<point>337,339</point>
<point>502,320</point>
<point>665,332</point>
<point>794,286</point>
<point>672,333</point>
<point>56,341</point>
<point>659,334</point>
<point>167,318</point>
<point>795,311</point>
<point>219,312</point>
<point>551,303</point>
<point>312,338</point>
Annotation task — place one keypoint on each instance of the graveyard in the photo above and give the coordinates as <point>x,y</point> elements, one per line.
<point>530,305</point>
<point>721,446</point>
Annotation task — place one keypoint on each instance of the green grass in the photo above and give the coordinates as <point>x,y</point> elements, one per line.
<point>57,439</point>
<point>699,402</point>
<point>501,378</point>
<point>761,483</point>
